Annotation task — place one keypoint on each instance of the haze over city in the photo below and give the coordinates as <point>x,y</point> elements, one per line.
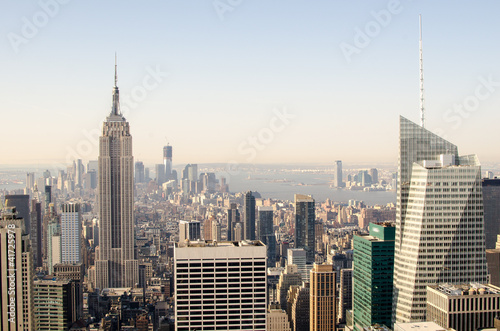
<point>207,76</point>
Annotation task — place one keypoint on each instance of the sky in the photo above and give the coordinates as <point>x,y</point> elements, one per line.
<point>240,81</point>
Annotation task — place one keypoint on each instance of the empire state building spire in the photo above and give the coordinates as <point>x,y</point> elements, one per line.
<point>115,109</point>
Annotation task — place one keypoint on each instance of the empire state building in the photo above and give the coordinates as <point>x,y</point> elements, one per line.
<point>115,264</point>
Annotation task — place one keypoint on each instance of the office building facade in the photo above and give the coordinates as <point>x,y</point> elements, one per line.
<point>373,270</point>
<point>322,314</point>
<point>305,215</point>
<point>16,274</point>
<point>249,216</point>
<point>220,286</point>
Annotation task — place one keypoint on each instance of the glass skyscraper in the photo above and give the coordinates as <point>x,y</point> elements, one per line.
<point>305,215</point>
<point>439,220</point>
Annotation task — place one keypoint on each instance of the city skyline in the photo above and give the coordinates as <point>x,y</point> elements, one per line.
<point>235,72</point>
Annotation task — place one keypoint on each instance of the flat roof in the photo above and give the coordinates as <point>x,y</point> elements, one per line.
<point>210,243</point>
<point>418,326</point>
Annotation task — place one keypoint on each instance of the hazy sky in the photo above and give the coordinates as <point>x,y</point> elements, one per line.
<point>311,81</point>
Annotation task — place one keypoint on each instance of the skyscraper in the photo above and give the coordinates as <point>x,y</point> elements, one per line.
<point>189,230</point>
<point>322,316</point>
<point>54,305</point>
<point>71,233</point>
<point>233,217</point>
<point>439,215</point>
<point>265,233</point>
<point>337,174</point>
<point>115,265</point>
<point>139,172</point>
<point>22,204</point>
<point>16,274</point>
<point>36,232</point>
<point>305,215</point>
<point>160,173</point>
<point>220,286</point>
<point>249,216</point>
<point>167,161</point>
<point>373,276</point>
<point>491,200</point>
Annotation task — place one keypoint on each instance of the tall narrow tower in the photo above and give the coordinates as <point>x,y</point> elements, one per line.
<point>167,161</point>
<point>115,265</point>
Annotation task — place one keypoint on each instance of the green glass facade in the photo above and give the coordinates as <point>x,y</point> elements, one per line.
<point>373,270</point>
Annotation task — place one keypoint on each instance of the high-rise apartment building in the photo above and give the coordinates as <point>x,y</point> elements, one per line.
<point>16,274</point>
<point>373,270</point>
<point>220,286</point>
<point>115,263</point>
<point>322,314</point>
<point>71,233</point>
<point>439,220</point>
<point>305,215</point>
<point>337,174</point>
<point>265,232</point>
<point>249,216</point>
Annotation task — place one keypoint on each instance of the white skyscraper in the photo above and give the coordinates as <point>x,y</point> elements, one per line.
<point>220,285</point>
<point>71,233</point>
<point>439,223</point>
<point>115,264</point>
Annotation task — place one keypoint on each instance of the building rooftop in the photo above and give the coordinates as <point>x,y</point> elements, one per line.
<point>466,289</point>
<point>210,243</point>
<point>419,326</point>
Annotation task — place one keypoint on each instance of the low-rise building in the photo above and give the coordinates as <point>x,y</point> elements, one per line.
<point>463,307</point>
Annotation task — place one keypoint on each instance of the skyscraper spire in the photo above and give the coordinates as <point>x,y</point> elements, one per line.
<point>115,110</point>
<point>422,111</point>
<point>116,76</point>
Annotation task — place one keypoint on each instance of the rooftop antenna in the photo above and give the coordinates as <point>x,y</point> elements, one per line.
<point>116,75</point>
<point>422,110</point>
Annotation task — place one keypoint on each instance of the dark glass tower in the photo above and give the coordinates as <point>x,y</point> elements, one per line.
<point>373,271</point>
<point>305,215</point>
<point>265,233</point>
<point>249,221</point>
